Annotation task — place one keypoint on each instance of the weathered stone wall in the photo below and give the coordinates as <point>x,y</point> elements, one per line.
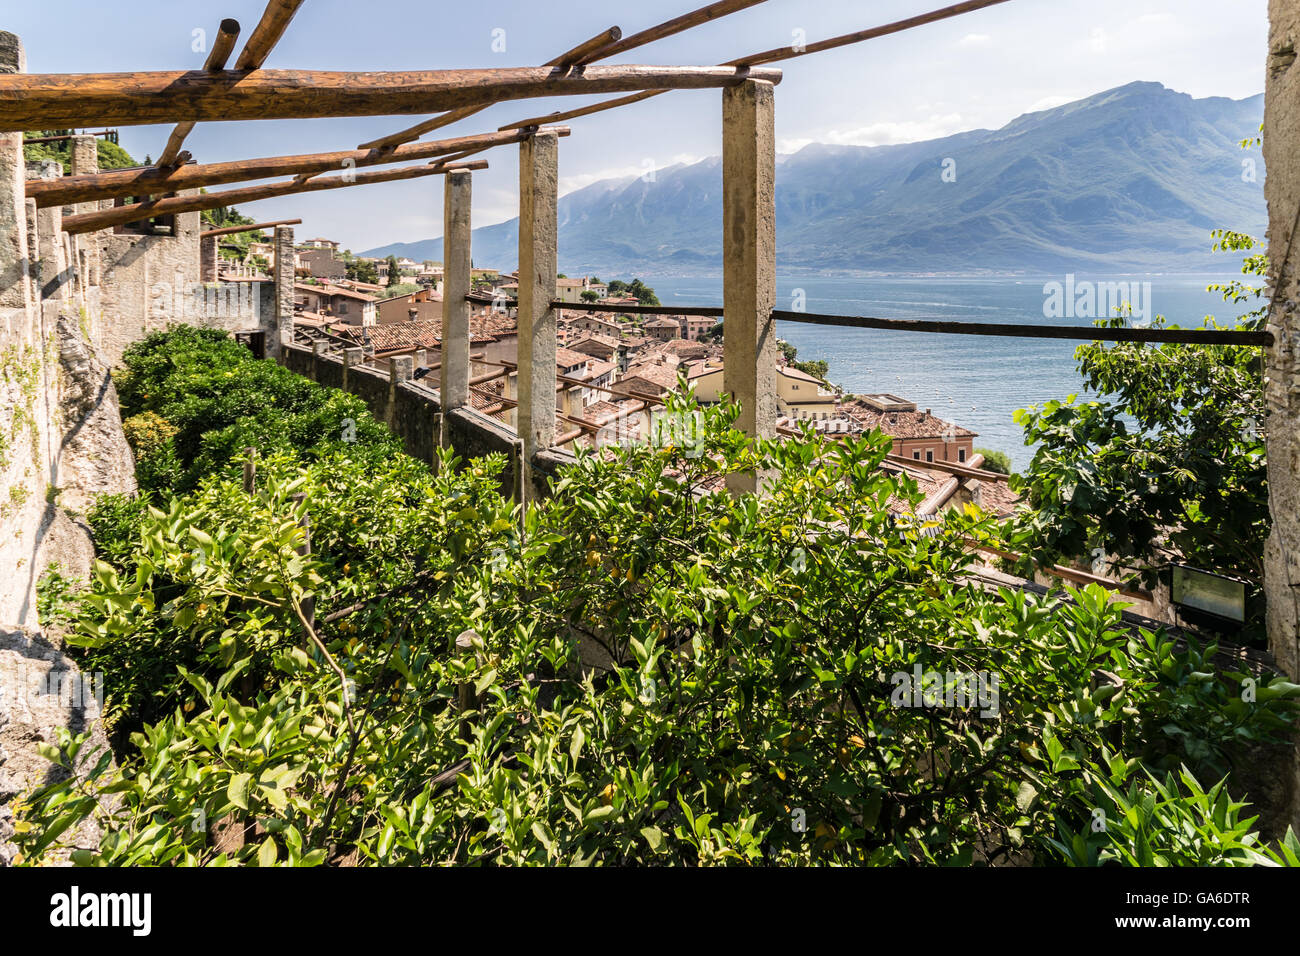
<point>414,414</point>
<point>1282,360</point>
<point>141,277</point>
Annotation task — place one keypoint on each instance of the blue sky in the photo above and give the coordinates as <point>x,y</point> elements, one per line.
<point>980,70</point>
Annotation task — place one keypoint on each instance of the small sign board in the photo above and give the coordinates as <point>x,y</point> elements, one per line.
<point>1208,593</point>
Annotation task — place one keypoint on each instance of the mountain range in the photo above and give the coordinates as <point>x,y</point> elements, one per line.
<point>1129,180</point>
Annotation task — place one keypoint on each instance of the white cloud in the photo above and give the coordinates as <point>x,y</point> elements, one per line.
<point>569,184</point>
<point>975,39</point>
<point>1049,103</point>
<point>884,134</point>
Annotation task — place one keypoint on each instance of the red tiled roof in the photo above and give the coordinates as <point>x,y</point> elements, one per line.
<point>916,424</point>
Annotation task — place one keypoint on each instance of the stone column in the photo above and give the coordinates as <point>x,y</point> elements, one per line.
<point>208,259</point>
<point>50,270</point>
<point>453,380</point>
<point>538,176</point>
<point>1282,359</point>
<point>749,260</point>
<point>15,282</point>
<point>282,276</point>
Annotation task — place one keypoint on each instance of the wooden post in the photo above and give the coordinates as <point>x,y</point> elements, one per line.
<point>457,223</point>
<point>749,260</point>
<point>538,183</point>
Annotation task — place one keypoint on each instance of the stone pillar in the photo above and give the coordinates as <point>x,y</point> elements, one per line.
<point>453,378</point>
<point>538,175</point>
<point>749,259</point>
<point>208,259</point>
<point>1282,359</point>
<point>50,272</point>
<point>282,276</point>
<point>15,282</point>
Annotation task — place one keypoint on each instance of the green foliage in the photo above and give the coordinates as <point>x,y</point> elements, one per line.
<point>54,597</point>
<point>110,155</point>
<point>403,288</point>
<point>998,461</point>
<point>637,289</point>
<point>224,216</point>
<point>655,674</point>
<point>359,270</point>
<point>1170,458</point>
<point>217,399</point>
<point>590,295</point>
<point>817,368</point>
<point>394,273</point>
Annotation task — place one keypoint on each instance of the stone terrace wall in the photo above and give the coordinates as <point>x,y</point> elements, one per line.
<point>412,411</point>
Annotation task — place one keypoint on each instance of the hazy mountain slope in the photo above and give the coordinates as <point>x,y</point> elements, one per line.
<point>1132,179</point>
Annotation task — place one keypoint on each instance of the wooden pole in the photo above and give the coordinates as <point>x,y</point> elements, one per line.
<point>419,129</point>
<point>222,47</point>
<point>790,52</point>
<point>107,218</point>
<point>120,183</point>
<point>57,101</point>
<point>587,48</point>
<point>538,121</point>
<point>669,27</point>
<point>771,56</point>
<point>455,116</point>
<point>234,230</point>
<point>275,20</point>
<point>250,469</point>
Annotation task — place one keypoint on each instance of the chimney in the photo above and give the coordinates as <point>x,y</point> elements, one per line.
<point>412,314</point>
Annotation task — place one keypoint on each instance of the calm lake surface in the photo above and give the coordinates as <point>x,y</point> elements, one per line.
<point>975,381</point>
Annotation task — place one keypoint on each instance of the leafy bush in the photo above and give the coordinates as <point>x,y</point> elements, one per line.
<point>217,399</point>
<point>998,461</point>
<point>641,670</point>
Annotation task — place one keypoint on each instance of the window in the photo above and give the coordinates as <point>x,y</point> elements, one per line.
<point>157,226</point>
<point>916,455</point>
<point>929,456</point>
<point>961,454</point>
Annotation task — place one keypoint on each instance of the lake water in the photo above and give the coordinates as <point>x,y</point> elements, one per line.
<point>975,381</point>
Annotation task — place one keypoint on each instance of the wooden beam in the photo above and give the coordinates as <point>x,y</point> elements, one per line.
<point>537,121</point>
<point>419,129</point>
<point>686,21</point>
<point>412,133</point>
<point>789,52</point>
<point>107,218</point>
<point>64,137</point>
<point>222,47</point>
<point>54,101</point>
<point>770,56</point>
<point>234,230</point>
<point>146,181</point>
<point>275,20</point>
<point>587,48</point>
